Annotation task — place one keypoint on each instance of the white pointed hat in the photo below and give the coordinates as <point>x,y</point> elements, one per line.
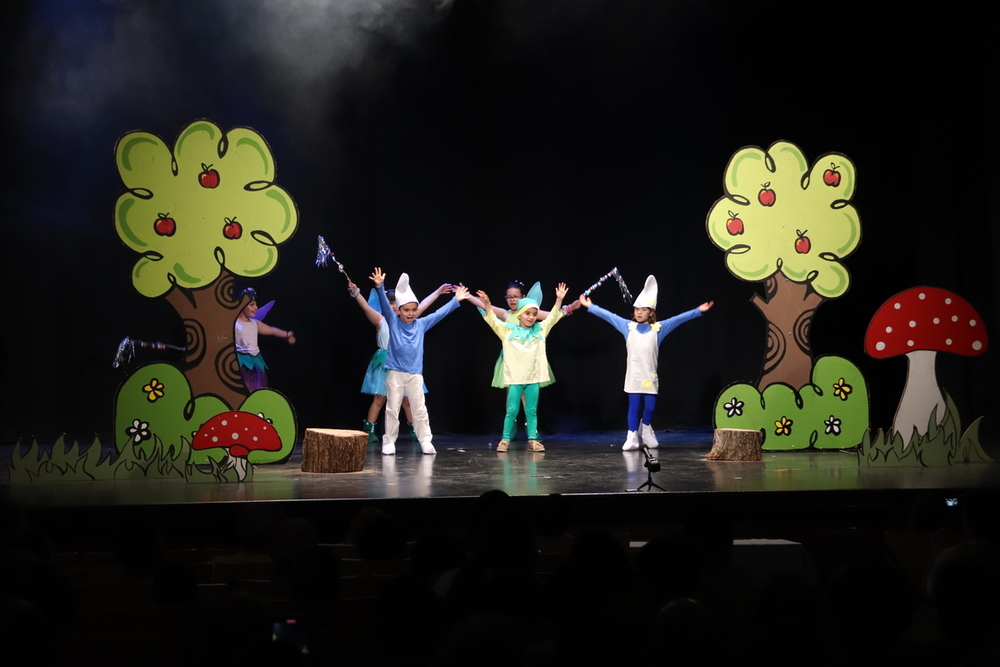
<point>647,297</point>
<point>404,294</point>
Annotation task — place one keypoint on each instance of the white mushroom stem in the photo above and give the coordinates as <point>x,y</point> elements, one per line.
<point>920,396</point>
<point>238,463</point>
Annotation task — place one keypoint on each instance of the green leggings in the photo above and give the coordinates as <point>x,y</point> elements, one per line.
<point>514,392</point>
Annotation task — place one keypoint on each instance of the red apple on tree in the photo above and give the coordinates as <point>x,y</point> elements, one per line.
<point>766,196</point>
<point>831,176</point>
<point>802,244</point>
<point>208,178</point>
<point>164,225</point>
<point>734,225</point>
<point>232,229</point>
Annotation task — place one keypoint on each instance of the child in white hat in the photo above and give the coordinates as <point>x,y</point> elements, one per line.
<point>525,365</point>
<point>404,360</point>
<point>643,335</point>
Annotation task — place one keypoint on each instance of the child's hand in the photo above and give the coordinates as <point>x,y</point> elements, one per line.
<point>446,288</point>
<point>290,338</point>
<point>485,299</point>
<point>461,292</point>
<point>377,276</point>
<point>584,300</point>
<point>352,289</point>
<point>561,291</point>
<point>705,306</point>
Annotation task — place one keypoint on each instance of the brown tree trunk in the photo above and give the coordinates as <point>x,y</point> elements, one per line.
<point>788,308</point>
<point>209,314</point>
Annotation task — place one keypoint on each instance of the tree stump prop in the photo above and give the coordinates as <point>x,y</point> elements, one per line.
<point>736,444</point>
<point>333,450</point>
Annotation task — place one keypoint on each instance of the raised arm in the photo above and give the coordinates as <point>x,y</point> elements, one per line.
<point>619,323</point>
<point>432,297</point>
<point>479,303</point>
<point>561,291</point>
<point>373,315</point>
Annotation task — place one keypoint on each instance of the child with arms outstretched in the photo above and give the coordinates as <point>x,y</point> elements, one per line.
<point>643,335</point>
<point>246,329</point>
<point>374,382</point>
<point>525,365</point>
<point>404,360</point>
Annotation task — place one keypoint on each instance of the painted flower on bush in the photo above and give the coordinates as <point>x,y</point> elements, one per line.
<point>734,408</point>
<point>138,431</point>
<point>832,426</point>
<point>783,426</point>
<point>154,390</point>
<point>841,389</point>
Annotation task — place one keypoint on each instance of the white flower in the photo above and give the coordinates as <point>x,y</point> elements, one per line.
<point>138,431</point>
<point>832,426</point>
<point>734,408</point>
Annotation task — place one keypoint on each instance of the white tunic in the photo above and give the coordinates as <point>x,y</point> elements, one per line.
<point>246,337</point>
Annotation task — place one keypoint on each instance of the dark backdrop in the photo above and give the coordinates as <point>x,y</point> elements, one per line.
<point>481,141</point>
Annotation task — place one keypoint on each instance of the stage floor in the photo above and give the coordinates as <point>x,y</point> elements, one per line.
<point>579,464</point>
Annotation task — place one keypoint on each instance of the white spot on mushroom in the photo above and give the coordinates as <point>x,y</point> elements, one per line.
<point>909,343</point>
<point>972,323</point>
<point>897,305</point>
<point>236,436</point>
<point>888,329</point>
<point>225,422</point>
<point>215,438</point>
<point>880,346</point>
<point>921,296</point>
<point>255,438</point>
<point>912,324</point>
<point>947,341</point>
<point>948,300</point>
<point>954,318</point>
<point>977,345</point>
<point>937,320</point>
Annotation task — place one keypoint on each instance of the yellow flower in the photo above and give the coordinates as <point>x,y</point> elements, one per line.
<point>154,390</point>
<point>783,426</point>
<point>842,389</point>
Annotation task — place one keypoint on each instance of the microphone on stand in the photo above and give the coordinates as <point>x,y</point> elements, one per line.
<point>651,463</point>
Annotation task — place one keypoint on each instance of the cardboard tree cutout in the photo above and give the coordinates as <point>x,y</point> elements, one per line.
<point>788,224</point>
<point>199,215</point>
<point>918,323</point>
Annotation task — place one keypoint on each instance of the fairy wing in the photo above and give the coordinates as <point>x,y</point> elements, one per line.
<point>263,311</point>
<point>373,301</point>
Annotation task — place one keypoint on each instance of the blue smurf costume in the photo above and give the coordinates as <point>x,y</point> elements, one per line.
<point>642,342</point>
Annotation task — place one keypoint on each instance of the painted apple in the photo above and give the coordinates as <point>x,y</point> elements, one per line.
<point>232,229</point>
<point>831,176</point>
<point>164,225</point>
<point>734,225</point>
<point>208,178</point>
<point>766,195</point>
<point>802,244</point>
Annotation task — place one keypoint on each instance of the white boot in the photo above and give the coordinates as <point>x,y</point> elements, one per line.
<point>648,437</point>
<point>631,442</point>
<point>427,448</point>
<point>389,449</point>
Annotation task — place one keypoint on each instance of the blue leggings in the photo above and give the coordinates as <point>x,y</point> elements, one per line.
<point>633,410</point>
<point>514,392</point>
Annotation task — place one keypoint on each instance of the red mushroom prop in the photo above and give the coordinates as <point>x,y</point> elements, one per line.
<point>239,433</point>
<point>920,322</point>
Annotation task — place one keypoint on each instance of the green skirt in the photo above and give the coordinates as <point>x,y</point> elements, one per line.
<point>498,375</point>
